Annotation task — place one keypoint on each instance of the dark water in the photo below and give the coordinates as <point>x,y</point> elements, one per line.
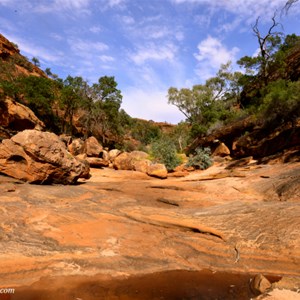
<point>171,285</point>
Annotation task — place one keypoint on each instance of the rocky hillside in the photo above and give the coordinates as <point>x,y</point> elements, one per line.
<point>10,57</point>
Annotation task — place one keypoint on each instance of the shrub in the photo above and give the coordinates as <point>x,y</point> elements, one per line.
<point>164,151</point>
<point>281,103</point>
<point>201,160</point>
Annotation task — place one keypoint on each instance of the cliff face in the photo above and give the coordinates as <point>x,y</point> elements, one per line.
<point>15,63</point>
<point>7,48</point>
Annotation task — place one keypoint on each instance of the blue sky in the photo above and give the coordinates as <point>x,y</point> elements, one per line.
<point>148,45</point>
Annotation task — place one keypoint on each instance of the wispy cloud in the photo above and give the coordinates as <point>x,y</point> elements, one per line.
<point>127,20</point>
<point>106,58</point>
<point>60,6</point>
<point>95,29</point>
<point>211,54</point>
<point>244,11</point>
<point>84,48</point>
<point>113,3</point>
<point>154,52</point>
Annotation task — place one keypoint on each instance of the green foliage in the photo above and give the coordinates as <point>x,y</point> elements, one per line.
<point>22,61</point>
<point>281,103</point>
<point>204,105</point>
<point>39,95</point>
<point>164,151</point>
<point>10,88</point>
<point>144,131</point>
<point>180,136</point>
<point>36,61</point>
<point>201,160</point>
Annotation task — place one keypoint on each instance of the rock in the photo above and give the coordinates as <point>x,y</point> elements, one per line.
<point>76,147</point>
<point>221,150</point>
<point>158,170</point>
<point>178,174</point>
<point>280,294</point>
<point>112,154</point>
<point>105,155</point>
<point>123,162</point>
<point>130,161</point>
<point>240,163</point>
<point>260,144</point>
<point>227,134</point>
<point>97,162</point>
<point>226,225</point>
<point>260,284</point>
<point>142,165</point>
<point>67,139</point>
<point>40,157</point>
<point>17,117</point>
<point>92,147</point>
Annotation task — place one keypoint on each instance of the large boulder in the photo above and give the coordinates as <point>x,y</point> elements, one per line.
<point>112,154</point>
<point>157,170</point>
<point>92,147</point>
<point>17,117</point>
<point>128,161</point>
<point>221,150</point>
<point>76,147</point>
<point>97,162</point>
<point>40,157</point>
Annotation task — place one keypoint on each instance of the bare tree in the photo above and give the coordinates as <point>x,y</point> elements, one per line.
<point>267,43</point>
<point>288,5</point>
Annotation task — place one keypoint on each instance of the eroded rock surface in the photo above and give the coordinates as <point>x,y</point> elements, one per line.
<point>15,116</point>
<point>40,157</point>
<point>123,223</point>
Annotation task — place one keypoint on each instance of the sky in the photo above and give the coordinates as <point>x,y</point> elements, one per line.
<point>147,45</point>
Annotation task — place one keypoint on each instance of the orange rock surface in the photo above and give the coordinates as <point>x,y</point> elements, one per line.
<point>123,223</point>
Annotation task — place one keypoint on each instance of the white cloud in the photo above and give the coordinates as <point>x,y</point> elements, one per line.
<point>249,9</point>
<point>106,58</point>
<point>151,105</point>
<point>95,29</point>
<point>211,54</point>
<point>71,4</point>
<point>238,14</point>
<point>155,52</point>
<point>85,47</point>
<point>56,36</point>
<point>81,7</point>
<point>113,3</point>
<point>127,20</point>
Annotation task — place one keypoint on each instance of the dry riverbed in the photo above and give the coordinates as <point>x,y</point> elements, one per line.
<point>124,235</point>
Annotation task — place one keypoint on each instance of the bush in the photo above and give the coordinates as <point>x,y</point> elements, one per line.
<point>201,160</point>
<point>281,103</point>
<point>164,151</point>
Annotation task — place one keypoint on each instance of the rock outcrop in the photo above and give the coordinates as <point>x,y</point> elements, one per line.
<point>245,138</point>
<point>40,157</point>
<point>9,52</point>
<point>15,117</point>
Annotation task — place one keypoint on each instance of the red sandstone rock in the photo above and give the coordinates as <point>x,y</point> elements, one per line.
<point>92,147</point>
<point>40,157</point>
<point>16,116</point>
<point>157,170</point>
